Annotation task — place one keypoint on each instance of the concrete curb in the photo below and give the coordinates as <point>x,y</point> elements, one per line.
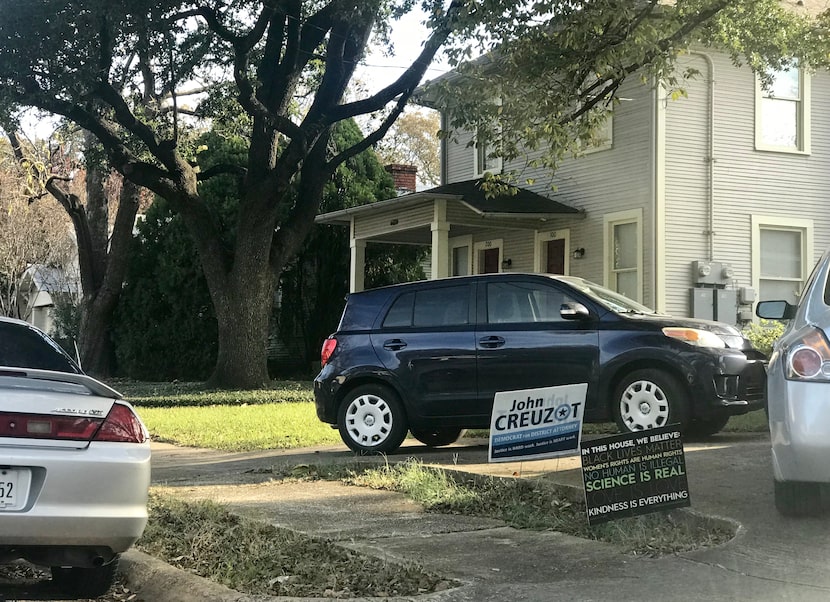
<point>156,581</point>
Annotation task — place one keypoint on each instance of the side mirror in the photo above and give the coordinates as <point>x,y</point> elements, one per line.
<point>574,311</point>
<point>775,310</point>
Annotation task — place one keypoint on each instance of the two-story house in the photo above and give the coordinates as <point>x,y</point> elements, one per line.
<point>698,206</point>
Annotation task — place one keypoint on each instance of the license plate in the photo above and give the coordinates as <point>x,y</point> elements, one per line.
<point>14,485</point>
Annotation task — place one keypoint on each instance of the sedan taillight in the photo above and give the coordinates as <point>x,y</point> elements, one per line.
<point>809,358</point>
<point>39,426</point>
<point>122,425</point>
<point>329,345</point>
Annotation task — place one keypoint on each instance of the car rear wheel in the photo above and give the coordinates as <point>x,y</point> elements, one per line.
<point>438,436</point>
<point>372,420</point>
<point>649,398</point>
<point>797,498</point>
<point>85,582</point>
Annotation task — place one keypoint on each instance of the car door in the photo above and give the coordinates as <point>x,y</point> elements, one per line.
<point>427,340</point>
<point>524,342</point>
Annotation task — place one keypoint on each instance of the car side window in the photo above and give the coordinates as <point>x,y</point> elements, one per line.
<point>443,306</point>
<point>22,347</point>
<point>400,314</point>
<point>523,302</point>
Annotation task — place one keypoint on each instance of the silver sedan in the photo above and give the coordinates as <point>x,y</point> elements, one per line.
<point>74,465</point>
<point>798,390</point>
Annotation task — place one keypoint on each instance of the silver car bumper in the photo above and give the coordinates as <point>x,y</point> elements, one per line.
<point>799,421</point>
<point>96,496</point>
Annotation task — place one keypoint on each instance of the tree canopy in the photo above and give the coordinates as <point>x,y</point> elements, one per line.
<point>142,75</point>
<point>548,74</point>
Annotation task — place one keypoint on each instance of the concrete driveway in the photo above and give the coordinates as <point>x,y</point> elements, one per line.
<point>772,558</point>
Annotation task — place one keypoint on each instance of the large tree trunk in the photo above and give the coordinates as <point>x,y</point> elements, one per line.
<point>243,325</point>
<point>98,305</point>
<point>241,362</point>
<point>94,341</point>
<point>242,299</point>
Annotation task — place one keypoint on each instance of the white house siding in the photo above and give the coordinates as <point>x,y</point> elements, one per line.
<point>686,183</point>
<point>460,158</point>
<point>746,181</point>
<point>374,224</point>
<point>599,183</point>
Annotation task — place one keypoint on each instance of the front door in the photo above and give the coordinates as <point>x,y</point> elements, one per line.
<point>524,343</point>
<point>555,256</point>
<point>489,261</point>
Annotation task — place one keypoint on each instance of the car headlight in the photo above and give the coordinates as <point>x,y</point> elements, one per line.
<point>695,336</point>
<point>808,358</point>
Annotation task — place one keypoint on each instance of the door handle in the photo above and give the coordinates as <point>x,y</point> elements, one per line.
<point>491,342</point>
<point>394,344</point>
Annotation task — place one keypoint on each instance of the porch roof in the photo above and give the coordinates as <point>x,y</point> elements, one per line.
<point>523,204</point>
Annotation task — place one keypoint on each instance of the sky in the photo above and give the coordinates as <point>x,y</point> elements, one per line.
<point>408,35</point>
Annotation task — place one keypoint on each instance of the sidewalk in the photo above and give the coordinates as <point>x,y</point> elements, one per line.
<point>770,559</point>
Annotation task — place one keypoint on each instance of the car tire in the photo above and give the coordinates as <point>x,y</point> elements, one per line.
<point>650,398</point>
<point>83,582</point>
<point>706,428</point>
<point>372,420</point>
<point>797,498</point>
<point>437,437</point>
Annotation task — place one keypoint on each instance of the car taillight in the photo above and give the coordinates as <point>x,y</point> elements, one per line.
<point>121,424</point>
<point>329,345</point>
<point>40,426</point>
<point>809,358</point>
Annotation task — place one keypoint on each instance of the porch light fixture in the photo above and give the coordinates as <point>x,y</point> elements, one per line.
<point>578,253</point>
<point>505,264</point>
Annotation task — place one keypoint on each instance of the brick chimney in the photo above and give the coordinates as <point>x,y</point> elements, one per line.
<point>404,176</point>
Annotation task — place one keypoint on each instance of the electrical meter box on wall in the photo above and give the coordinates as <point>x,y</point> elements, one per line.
<point>726,305</point>
<point>712,272</point>
<point>700,302</point>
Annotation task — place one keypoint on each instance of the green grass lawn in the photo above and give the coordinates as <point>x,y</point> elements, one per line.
<point>281,417</point>
<point>239,427</point>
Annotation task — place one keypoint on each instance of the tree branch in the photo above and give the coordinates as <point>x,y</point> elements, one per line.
<point>221,169</point>
<point>410,78</point>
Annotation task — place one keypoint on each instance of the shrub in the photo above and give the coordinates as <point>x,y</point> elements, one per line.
<point>763,334</point>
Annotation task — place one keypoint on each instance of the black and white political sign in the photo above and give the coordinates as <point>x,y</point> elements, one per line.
<point>634,473</point>
<point>532,424</point>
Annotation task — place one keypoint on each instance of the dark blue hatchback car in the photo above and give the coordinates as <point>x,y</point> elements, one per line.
<point>428,357</point>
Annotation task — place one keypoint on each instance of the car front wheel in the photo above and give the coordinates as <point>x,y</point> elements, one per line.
<point>647,399</point>
<point>372,420</point>
<point>438,436</point>
<point>85,582</point>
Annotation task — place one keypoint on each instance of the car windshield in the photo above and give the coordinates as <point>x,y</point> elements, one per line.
<point>606,297</point>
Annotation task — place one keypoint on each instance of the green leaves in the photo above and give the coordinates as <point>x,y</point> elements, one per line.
<point>559,64</point>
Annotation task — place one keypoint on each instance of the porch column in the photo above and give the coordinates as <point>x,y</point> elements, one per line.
<point>357,261</point>
<point>440,241</point>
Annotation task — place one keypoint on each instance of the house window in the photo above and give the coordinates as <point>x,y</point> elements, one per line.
<point>623,253</point>
<point>601,138</point>
<point>486,158</point>
<point>782,112</point>
<point>781,257</point>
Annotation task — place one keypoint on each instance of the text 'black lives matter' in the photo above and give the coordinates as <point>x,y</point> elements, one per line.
<point>633,474</point>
